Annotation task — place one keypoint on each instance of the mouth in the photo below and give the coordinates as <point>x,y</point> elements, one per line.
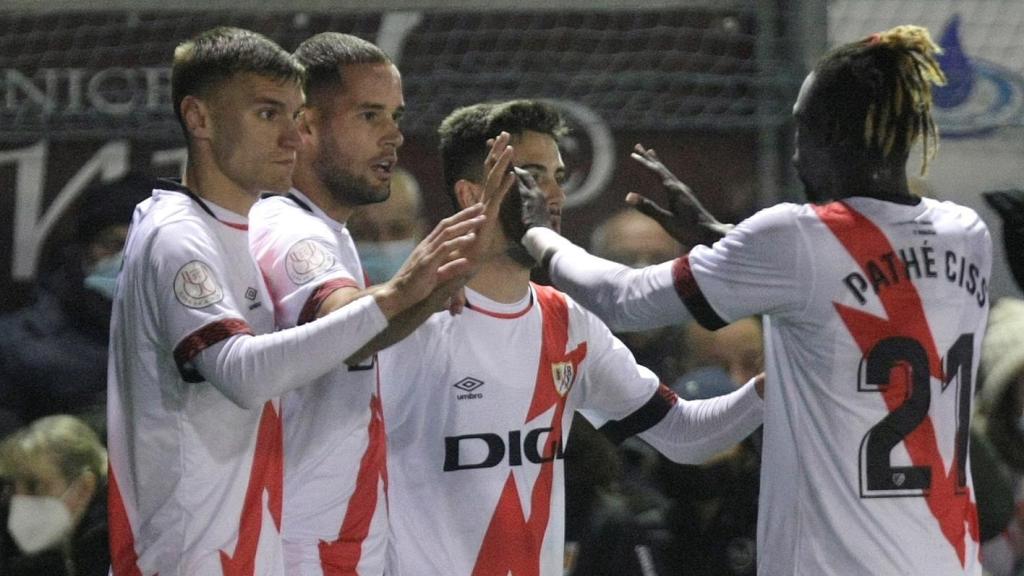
<point>555,219</point>
<point>382,167</point>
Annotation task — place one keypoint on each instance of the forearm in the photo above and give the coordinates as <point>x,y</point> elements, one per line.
<point>696,430</point>
<point>626,299</point>
<point>250,370</point>
<point>398,328</point>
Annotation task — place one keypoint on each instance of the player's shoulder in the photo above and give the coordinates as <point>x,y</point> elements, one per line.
<point>279,204</point>
<point>553,300</point>
<point>778,216</point>
<point>287,215</point>
<point>174,223</point>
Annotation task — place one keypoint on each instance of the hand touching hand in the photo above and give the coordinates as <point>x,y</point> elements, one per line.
<point>684,213</point>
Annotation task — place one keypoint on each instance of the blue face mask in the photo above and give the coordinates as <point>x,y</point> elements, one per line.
<point>103,276</point>
<point>381,260</point>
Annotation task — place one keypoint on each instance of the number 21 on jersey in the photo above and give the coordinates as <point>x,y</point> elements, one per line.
<point>878,477</point>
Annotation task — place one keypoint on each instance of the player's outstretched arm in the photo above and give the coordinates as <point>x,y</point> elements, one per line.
<point>685,218</point>
<point>695,430</point>
<point>249,370</point>
<point>624,298</point>
<point>458,259</point>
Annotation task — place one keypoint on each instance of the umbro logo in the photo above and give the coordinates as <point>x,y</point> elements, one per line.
<point>467,386</point>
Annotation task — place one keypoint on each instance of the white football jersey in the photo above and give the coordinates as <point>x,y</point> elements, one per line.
<point>875,313</point>
<point>335,512</point>
<point>195,480</point>
<point>478,408</point>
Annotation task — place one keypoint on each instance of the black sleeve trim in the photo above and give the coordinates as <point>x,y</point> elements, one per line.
<point>642,418</point>
<point>689,292</point>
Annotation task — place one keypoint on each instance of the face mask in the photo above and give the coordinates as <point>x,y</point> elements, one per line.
<point>381,260</point>
<point>103,276</point>
<point>37,523</point>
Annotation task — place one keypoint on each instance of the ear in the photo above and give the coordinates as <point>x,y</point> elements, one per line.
<point>468,193</point>
<point>196,115</point>
<point>308,122</point>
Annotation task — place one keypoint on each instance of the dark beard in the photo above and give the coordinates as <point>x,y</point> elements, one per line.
<point>347,189</point>
<point>344,187</point>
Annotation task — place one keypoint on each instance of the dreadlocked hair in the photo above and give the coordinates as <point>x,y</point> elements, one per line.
<point>881,88</point>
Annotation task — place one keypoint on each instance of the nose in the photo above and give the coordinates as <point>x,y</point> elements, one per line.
<point>395,138</point>
<point>291,138</point>
<point>555,194</point>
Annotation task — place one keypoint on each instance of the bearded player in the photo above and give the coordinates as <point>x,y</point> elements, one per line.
<point>479,405</point>
<point>335,511</point>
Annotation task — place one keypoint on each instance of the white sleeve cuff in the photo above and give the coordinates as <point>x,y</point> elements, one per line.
<point>541,243</point>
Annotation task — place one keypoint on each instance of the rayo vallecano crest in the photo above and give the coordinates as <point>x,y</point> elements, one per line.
<point>563,374</point>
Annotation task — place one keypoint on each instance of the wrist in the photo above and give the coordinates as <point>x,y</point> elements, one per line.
<point>389,299</point>
<point>542,243</point>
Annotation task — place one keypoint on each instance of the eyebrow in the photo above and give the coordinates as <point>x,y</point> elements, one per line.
<point>376,106</point>
<point>541,167</point>
<point>264,100</point>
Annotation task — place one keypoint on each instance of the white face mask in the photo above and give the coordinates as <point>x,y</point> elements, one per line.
<point>37,523</point>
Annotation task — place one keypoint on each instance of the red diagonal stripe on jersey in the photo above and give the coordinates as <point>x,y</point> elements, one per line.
<point>124,559</point>
<point>512,544</point>
<point>864,241</point>
<point>266,474</point>
<point>341,557</point>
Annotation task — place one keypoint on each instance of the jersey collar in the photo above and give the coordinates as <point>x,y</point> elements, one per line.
<point>477,302</point>
<point>218,213</point>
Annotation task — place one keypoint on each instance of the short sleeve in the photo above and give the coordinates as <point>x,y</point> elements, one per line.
<point>615,386</point>
<point>297,253</point>
<point>187,278</point>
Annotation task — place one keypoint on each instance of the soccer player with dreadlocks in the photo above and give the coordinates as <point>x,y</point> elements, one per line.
<point>875,303</point>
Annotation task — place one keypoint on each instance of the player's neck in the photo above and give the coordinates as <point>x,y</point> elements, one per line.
<point>206,181</point>
<point>502,279</point>
<point>881,181</point>
<point>314,189</point>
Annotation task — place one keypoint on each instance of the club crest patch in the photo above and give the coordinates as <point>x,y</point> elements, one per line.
<point>563,374</point>
<point>306,260</point>
<point>195,285</point>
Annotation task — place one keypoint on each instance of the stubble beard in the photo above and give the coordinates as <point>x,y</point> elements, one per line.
<point>346,188</point>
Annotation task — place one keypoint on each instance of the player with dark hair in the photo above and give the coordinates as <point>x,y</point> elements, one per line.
<point>479,405</point>
<point>335,477</point>
<point>875,303</point>
<point>195,439</point>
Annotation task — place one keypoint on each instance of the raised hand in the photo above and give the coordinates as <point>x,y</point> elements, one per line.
<point>533,204</point>
<point>436,260</point>
<point>684,213</point>
<point>497,182</point>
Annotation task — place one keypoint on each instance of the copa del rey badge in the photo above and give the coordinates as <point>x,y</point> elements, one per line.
<point>306,260</point>
<point>195,285</point>
<point>563,374</point>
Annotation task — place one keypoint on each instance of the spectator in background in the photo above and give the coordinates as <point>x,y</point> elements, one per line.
<point>386,233</point>
<point>55,519</point>
<point>713,511</point>
<point>737,349</point>
<point>53,353</point>
<point>631,238</point>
